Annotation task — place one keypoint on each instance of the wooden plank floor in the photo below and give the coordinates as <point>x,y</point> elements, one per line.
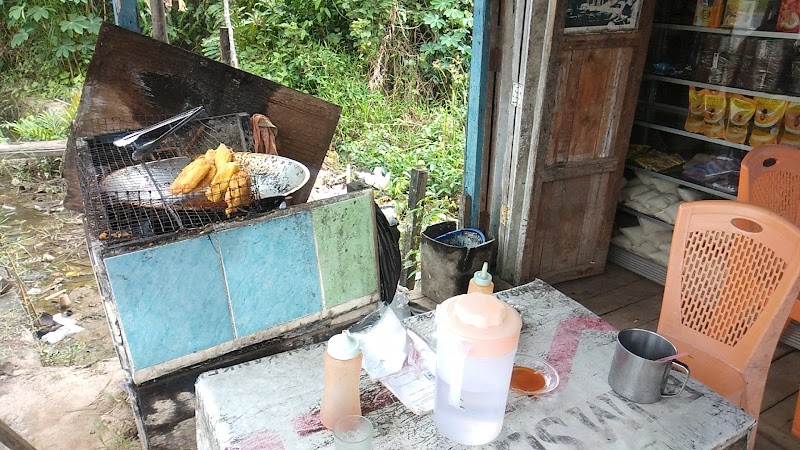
<point>627,300</point>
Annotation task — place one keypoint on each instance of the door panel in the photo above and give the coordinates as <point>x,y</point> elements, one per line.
<point>575,128</point>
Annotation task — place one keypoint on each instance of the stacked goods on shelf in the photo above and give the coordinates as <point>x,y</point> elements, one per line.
<point>694,120</point>
<point>714,107</point>
<point>723,65</point>
<point>720,172</point>
<point>749,14</point>
<point>648,240</point>
<point>756,64</point>
<point>652,196</point>
<point>718,115</point>
<point>763,64</point>
<point>794,66</point>
<point>649,158</point>
<point>707,48</point>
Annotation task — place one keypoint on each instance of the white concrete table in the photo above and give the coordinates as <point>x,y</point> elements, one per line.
<point>273,402</point>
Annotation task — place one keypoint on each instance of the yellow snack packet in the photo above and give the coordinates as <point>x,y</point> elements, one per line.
<point>694,120</point>
<point>791,119</point>
<point>769,111</point>
<point>792,140</point>
<point>741,110</point>
<point>714,107</point>
<point>761,136</point>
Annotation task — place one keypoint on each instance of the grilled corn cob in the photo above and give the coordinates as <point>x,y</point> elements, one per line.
<point>190,176</point>
<point>226,171</point>
<point>208,178</point>
<point>238,193</point>
<point>222,155</point>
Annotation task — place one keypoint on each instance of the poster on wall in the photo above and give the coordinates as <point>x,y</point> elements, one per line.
<point>593,16</point>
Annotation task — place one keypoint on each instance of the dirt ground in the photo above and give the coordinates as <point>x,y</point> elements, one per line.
<point>68,394</point>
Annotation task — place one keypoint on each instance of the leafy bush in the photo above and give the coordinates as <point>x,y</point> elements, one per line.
<point>398,68</point>
<point>39,127</point>
<point>403,47</point>
<point>44,126</point>
<point>54,36</point>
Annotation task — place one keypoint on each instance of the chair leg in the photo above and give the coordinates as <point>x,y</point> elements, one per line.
<point>796,422</point>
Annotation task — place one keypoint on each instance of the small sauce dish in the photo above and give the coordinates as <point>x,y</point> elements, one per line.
<point>532,376</point>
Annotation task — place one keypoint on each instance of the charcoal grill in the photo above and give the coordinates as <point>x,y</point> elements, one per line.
<point>129,201</point>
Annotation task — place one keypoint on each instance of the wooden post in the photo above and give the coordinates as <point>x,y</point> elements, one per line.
<point>224,46</point>
<point>159,18</point>
<point>126,15</point>
<point>416,192</point>
<point>476,115</point>
<point>12,440</point>
<point>37,149</point>
<point>226,15</point>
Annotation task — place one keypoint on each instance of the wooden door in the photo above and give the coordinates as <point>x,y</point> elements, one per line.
<point>565,138</point>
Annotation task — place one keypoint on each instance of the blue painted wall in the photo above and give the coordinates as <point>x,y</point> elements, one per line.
<point>126,15</point>
<point>476,111</point>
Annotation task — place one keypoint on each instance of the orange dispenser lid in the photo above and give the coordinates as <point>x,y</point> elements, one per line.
<point>488,325</point>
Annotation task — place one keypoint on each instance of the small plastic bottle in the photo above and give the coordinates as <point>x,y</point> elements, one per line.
<point>481,281</point>
<point>340,396</point>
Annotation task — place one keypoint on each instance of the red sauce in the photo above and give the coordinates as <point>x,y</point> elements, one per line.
<point>525,379</point>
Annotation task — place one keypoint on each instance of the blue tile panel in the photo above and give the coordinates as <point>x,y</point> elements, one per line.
<point>179,298</point>
<point>171,300</point>
<point>272,272</point>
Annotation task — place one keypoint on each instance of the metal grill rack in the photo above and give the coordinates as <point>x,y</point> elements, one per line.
<point>127,200</point>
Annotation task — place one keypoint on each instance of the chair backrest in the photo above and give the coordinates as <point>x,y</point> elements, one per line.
<point>734,269</point>
<point>770,178</point>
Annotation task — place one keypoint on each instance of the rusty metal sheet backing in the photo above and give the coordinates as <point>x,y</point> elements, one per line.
<point>132,76</point>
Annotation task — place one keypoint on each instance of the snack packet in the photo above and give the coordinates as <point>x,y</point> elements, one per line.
<point>791,119</point>
<point>740,111</point>
<point>789,16</point>
<point>714,107</point>
<point>649,158</point>
<point>694,120</point>
<point>708,13</point>
<point>769,111</point>
<point>745,14</point>
<point>792,140</point>
<point>791,126</point>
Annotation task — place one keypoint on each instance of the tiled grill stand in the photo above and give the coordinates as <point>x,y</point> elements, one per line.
<point>208,290</point>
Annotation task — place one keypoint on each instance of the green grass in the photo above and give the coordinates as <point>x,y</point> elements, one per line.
<point>399,132</point>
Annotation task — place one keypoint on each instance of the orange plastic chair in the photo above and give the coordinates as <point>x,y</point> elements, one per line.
<point>796,422</point>
<point>732,277</point>
<point>770,178</point>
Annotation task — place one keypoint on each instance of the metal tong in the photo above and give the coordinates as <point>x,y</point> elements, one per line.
<point>145,149</point>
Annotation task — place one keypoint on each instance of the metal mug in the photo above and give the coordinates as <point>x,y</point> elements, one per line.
<point>635,374</point>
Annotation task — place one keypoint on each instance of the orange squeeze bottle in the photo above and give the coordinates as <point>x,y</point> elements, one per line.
<point>340,396</point>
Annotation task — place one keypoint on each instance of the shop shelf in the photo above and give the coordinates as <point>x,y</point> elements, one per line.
<point>697,136</point>
<point>683,182</point>
<point>728,31</point>
<point>644,216</point>
<point>719,87</point>
<point>647,268</point>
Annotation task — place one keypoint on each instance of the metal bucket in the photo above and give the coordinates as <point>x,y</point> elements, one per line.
<point>450,257</point>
